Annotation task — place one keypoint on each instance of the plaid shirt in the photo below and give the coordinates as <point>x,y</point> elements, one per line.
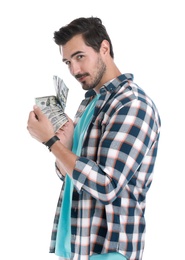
<point>113,173</point>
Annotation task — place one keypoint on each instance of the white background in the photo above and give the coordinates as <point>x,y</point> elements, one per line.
<point>148,41</point>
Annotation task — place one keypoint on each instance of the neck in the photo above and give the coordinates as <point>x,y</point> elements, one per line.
<point>111,73</point>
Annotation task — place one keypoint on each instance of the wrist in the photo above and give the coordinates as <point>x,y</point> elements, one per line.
<point>51,141</point>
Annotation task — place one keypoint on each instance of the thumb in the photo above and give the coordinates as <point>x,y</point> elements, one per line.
<point>38,112</point>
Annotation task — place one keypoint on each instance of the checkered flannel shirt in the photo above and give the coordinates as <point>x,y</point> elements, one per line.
<point>113,173</point>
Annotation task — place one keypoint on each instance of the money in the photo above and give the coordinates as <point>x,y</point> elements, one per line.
<point>53,106</point>
<point>61,91</point>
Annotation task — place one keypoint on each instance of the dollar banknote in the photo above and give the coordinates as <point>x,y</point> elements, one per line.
<point>53,106</point>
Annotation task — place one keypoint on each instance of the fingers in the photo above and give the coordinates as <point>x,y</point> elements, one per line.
<point>32,117</point>
<point>31,121</point>
<point>38,113</point>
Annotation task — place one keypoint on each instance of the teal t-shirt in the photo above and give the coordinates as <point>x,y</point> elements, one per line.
<point>63,239</point>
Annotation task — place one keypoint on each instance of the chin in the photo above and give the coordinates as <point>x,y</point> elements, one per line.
<point>85,87</point>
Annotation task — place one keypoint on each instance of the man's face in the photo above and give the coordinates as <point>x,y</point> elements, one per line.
<point>86,65</point>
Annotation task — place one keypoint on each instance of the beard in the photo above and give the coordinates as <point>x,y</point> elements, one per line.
<point>99,71</point>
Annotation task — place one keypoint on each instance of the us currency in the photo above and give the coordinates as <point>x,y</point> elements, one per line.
<point>53,106</point>
<point>61,91</point>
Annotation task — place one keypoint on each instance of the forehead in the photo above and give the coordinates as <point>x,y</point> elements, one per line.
<point>76,44</point>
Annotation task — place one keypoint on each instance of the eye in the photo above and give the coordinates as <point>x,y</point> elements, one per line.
<point>67,62</point>
<point>79,57</point>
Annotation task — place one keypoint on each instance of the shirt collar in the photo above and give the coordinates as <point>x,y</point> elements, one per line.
<point>110,86</point>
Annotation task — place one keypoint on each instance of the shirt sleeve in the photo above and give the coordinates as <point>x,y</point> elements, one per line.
<point>128,136</point>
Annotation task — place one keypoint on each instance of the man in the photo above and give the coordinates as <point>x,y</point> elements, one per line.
<point>105,157</point>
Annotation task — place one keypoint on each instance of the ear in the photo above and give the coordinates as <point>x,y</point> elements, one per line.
<point>105,47</point>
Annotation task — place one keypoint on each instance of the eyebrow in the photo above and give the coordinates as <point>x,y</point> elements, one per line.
<point>75,53</point>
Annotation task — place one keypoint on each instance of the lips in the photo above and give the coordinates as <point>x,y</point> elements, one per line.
<point>81,79</point>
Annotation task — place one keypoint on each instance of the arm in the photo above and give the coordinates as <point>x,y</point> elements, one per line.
<point>65,135</point>
<point>128,137</point>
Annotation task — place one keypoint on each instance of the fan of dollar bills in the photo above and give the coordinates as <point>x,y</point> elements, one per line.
<point>53,106</point>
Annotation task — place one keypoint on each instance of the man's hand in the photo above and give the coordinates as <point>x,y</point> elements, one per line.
<point>39,126</point>
<point>65,133</point>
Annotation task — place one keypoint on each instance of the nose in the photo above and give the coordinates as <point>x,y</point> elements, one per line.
<point>74,68</point>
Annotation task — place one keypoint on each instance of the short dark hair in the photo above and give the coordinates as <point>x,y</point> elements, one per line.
<point>92,30</point>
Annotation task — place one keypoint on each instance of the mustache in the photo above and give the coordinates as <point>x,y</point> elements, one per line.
<point>81,75</point>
